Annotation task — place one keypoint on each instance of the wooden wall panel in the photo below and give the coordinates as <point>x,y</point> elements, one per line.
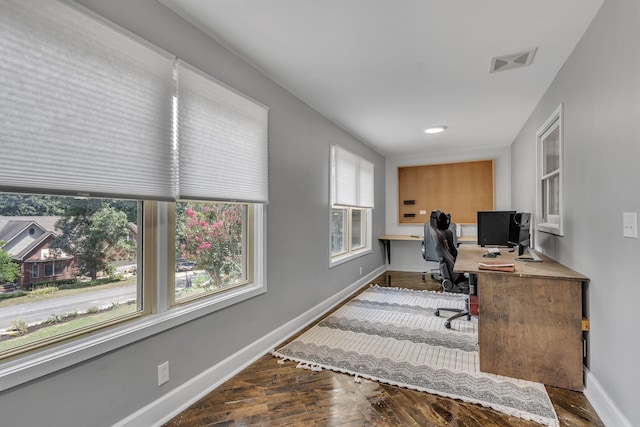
<point>461,189</point>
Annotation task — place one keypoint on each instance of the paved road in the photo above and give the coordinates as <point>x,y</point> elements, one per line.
<point>39,311</point>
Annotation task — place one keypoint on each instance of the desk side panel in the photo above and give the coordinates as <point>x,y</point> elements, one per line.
<point>530,328</point>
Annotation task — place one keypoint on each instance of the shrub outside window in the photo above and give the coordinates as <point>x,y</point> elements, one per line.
<point>212,242</point>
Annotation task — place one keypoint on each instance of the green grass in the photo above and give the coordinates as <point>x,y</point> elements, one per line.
<point>68,326</point>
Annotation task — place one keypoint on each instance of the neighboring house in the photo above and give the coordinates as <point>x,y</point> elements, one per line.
<point>28,241</point>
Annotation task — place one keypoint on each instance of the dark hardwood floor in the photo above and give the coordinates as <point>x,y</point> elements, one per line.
<point>268,393</point>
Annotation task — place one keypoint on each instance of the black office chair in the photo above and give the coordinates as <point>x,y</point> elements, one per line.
<point>441,234</point>
<point>429,249</point>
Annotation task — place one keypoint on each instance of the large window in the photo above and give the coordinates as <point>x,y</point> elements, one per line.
<point>129,209</point>
<point>550,196</point>
<point>89,266</point>
<point>352,198</point>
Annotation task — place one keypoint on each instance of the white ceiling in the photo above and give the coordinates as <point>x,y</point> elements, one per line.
<point>385,70</point>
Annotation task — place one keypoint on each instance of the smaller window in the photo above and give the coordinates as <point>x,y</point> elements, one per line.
<point>48,269</point>
<point>550,197</point>
<point>35,271</point>
<point>32,231</point>
<point>352,196</point>
<point>350,233</point>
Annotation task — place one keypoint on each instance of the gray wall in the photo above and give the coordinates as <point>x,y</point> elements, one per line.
<point>600,88</point>
<point>104,390</point>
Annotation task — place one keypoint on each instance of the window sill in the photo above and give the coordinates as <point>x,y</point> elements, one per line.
<point>550,228</point>
<point>27,368</point>
<point>348,257</point>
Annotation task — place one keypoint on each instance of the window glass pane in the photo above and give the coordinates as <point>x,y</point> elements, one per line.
<point>211,242</point>
<point>554,195</point>
<point>339,223</point>
<point>551,198</point>
<point>544,201</point>
<point>357,234</point>
<point>551,151</point>
<point>71,262</point>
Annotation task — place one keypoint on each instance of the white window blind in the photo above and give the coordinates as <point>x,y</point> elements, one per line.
<point>84,109</point>
<point>352,179</point>
<point>222,141</point>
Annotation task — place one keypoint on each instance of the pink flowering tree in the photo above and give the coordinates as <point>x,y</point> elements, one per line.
<point>210,235</point>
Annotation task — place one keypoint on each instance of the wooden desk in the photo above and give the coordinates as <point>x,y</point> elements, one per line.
<point>387,238</point>
<point>467,239</point>
<point>530,323</point>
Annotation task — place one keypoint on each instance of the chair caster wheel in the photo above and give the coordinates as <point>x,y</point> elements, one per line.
<point>437,313</point>
<point>447,324</point>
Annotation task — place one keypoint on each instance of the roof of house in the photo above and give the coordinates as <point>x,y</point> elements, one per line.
<point>12,226</point>
<point>47,223</point>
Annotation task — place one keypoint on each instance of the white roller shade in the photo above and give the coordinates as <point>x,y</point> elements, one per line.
<point>222,141</point>
<point>84,109</point>
<point>365,184</point>
<point>352,179</point>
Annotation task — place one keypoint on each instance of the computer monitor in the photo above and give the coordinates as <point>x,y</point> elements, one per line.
<point>495,228</point>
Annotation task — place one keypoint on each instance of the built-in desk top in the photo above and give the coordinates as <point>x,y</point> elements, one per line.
<point>400,237</point>
<point>470,255</point>
<point>461,239</point>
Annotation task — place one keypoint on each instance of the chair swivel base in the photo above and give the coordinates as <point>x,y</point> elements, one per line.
<point>460,313</point>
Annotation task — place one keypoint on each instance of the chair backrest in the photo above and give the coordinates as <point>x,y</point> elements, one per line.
<point>449,229</point>
<point>428,244</point>
<point>442,235</point>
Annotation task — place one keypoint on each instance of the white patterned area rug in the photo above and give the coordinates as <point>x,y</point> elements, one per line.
<point>392,336</point>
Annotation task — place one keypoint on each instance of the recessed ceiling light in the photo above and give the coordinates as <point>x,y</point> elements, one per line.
<point>435,129</point>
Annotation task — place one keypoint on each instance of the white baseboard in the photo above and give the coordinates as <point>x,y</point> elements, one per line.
<point>602,403</point>
<point>180,398</point>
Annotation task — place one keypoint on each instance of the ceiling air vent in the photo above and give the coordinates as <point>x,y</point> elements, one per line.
<point>512,60</point>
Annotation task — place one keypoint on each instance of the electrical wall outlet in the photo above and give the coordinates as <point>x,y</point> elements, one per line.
<point>163,373</point>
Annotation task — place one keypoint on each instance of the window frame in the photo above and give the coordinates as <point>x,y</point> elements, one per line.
<point>351,187</point>
<point>547,222</point>
<point>157,315</point>
<point>366,235</point>
<point>250,230</point>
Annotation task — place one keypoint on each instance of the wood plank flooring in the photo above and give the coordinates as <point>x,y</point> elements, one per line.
<point>271,394</point>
